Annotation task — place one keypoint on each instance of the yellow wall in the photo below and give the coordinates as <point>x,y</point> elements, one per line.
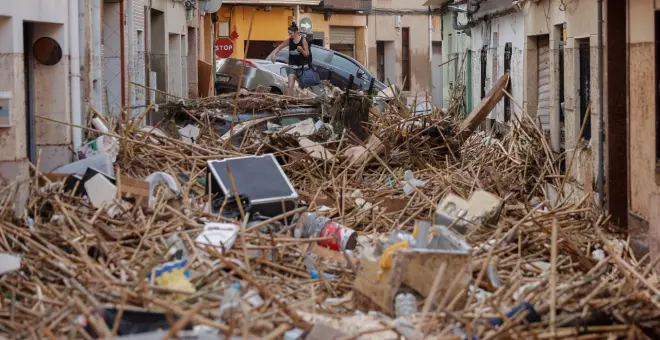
<point>272,26</point>
<point>269,26</point>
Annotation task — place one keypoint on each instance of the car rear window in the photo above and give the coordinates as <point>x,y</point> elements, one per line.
<point>344,64</point>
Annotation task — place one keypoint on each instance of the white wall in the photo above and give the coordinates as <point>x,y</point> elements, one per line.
<point>509,28</point>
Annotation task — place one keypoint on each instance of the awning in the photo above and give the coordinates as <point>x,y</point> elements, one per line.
<point>436,3</point>
<point>273,2</point>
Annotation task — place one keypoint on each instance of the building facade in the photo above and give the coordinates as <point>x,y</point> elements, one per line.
<point>405,47</point>
<point>59,59</point>
<point>34,84</point>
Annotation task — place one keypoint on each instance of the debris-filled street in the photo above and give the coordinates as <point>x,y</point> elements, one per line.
<point>292,226</point>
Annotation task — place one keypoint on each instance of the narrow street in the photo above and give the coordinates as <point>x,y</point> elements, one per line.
<point>329,169</point>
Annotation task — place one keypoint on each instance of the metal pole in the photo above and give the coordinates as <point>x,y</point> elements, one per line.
<point>601,163</point>
<point>214,18</point>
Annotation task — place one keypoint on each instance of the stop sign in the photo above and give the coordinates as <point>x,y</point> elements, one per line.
<point>224,48</point>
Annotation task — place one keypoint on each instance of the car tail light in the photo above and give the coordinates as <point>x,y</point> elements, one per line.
<point>247,63</point>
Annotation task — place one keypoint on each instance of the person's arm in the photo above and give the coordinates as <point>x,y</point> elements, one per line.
<point>305,48</point>
<point>277,49</point>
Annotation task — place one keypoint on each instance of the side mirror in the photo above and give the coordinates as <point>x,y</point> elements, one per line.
<point>360,73</point>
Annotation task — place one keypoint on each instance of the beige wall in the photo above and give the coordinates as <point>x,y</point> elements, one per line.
<point>642,107</point>
<point>51,90</point>
<point>541,18</point>
<point>382,28</point>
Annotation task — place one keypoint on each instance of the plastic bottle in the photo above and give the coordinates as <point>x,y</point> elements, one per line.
<point>231,301</point>
<point>405,304</point>
<point>315,225</point>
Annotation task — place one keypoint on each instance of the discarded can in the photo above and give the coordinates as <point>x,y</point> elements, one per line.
<point>315,225</point>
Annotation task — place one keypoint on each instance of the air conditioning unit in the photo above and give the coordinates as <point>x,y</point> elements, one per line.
<point>397,21</point>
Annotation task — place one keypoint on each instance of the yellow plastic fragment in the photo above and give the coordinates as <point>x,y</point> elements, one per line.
<point>386,259</point>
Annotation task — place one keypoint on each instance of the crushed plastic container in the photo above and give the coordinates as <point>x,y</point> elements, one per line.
<point>103,145</point>
<point>101,162</point>
<point>219,235</point>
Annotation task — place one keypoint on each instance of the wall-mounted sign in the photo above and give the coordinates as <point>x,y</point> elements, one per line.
<point>224,48</point>
<point>306,25</point>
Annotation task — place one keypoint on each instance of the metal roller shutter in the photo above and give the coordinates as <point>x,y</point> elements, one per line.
<point>342,35</point>
<point>543,108</point>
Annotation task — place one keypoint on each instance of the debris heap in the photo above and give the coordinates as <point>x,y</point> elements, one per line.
<point>154,253</point>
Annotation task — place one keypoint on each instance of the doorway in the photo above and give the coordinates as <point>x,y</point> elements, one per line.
<point>28,68</point>
<point>617,106</point>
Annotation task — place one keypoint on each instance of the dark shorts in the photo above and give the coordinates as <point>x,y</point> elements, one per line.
<point>296,71</point>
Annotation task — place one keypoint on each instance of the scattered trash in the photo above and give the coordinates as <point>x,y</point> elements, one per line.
<point>315,225</point>
<point>103,145</point>
<point>260,178</point>
<point>231,302</point>
<point>321,331</point>
<point>598,254</point>
<point>189,133</point>
<point>157,178</point>
<point>409,182</point>
<point>360,155</point>
<point>174,275</point>
<point>101,162</point>
<point>100,190</point>
<point>9,263</point>
<point>221,236</point>
<point>405,304</point>
<point>294,334</point>
<point>525,306</point>
<point>462,215</point>
<point>132,322</point>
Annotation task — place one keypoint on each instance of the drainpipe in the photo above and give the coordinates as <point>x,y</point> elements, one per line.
<point>122,58</point>
<point>430,36</point>
<point>601,163</point>
<point>74,73</point>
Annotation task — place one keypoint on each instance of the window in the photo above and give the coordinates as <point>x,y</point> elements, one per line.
<point>319,54</point>
<point>344,64</point>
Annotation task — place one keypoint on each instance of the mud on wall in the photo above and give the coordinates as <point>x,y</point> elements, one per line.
<point>642,132</point>
<point>382,28</point>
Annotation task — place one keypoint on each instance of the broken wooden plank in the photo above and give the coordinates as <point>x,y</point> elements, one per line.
<point>470,124</point>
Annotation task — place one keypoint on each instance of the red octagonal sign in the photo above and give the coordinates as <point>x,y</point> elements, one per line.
<point>224,48</point>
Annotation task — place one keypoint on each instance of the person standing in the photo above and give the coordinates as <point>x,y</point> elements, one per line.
<point>298,54</point>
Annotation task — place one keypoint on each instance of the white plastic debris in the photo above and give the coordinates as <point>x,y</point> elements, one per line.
<point>103,145</point>
<point>189,134</point>
<point>218,235</point>
<point>598,254</point>
<point>160,177</point>
<point>101,162</point>
<point>410,182</point>
<point>100,190</point>
<point>405,304</point>
<point>294,334</point>
<point>9,263</point>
